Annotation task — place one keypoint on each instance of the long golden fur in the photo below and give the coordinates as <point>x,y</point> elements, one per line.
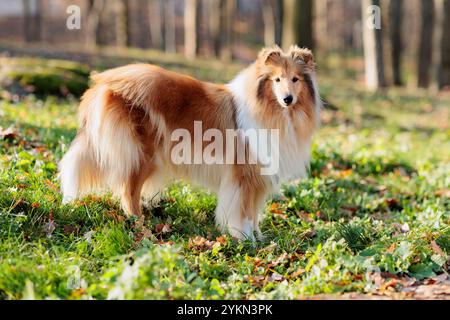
<point>126,119</point>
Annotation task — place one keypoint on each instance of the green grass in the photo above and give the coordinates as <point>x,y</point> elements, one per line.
<point>377,198</point>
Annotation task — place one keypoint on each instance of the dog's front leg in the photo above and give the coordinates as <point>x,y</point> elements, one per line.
<point>231,212</point>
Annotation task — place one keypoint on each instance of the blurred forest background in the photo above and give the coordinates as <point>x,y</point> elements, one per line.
<point>412,47</point>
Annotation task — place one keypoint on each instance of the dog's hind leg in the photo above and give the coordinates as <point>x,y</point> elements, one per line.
<point>132,189</point>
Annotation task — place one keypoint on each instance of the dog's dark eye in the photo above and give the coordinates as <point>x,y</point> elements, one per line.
<point>277,79</point>
<point>294,79</point>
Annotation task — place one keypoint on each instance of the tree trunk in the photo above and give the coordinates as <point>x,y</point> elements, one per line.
<point>228,12</point>
<point>321,24</point>
<point>395,35</point>
<point>373,46</point>
<point>154,19</point>
<point>426,44</point>
<point>122,23</point>
<point>191,28</point>
<point>169,26</point>
<point>32,20</point>
<point>298,23</point>
<point>444,70</point>
<point>278,21</point>
<point>268,13</point>
<point>214,25</point>
<point>95,7</point>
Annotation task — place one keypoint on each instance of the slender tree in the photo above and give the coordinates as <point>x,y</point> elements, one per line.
<point>395,36</point>
<point>373,44</point>
<point>95,8</point>
<point>268,13</point>
<point>298,23</point>
<point>228,12</point>
<point>169,26</point>
<point>444,70</point>
<point>155,21</point>
<point>32,20</point>
<point>426,43</point>
<point>278,21</point>
<point>215,25</point>
<point>191,28</point>
<point>123,30</point>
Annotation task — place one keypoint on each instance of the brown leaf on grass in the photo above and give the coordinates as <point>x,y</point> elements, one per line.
<point>437,249</point>
<point>50,226</point>
<point>388,275</point>
<point>310,234</point>
<point>69,229</point>
<point>258,281</point>
<point>391,248</point>
<point>275,208</point>
<point>51,185</point>
<point>275,277</point>
<point>166,243</point>
<point>444,193</point>
<point>306,216</point>
<point>200,243</point>
<point>358,277</point>
<point>115,216</point>
<point>9,133</point>
<point>144,233</point>
<point>297,273</point>
<point>78,293</point>
<point>222,239</point>
<point>163,228</point>
<point>344,173</point>
<point>280,259</point>
<point>351,210</point>
<point>393,204</point>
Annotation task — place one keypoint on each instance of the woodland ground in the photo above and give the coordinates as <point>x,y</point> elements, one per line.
<point>371,221</point>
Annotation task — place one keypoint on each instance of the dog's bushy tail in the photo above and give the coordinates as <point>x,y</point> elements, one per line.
<point>105,152</point>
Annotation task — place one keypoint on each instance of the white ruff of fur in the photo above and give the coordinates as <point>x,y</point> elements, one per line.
<point>294,153</point>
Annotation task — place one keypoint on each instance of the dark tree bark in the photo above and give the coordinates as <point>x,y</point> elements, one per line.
<point>426,44</point>
<point>444,70</point>
<point>395,35</point>
<point>278,22</point>
<point>268,13</point>
<point>32,20</point>
<point>169,26</point>
<point>155,14</point>
<point>123,29</point>
<point>228,12</point>
<point>298,23</point>
<point>95,8</point>
<point>214,25</point>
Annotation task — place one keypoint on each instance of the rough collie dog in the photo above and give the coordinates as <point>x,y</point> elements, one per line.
<point>128,117</point>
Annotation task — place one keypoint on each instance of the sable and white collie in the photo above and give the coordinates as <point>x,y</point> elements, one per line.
<point>127,119</point>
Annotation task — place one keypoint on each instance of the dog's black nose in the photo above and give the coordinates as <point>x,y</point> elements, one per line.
<point>288,100</point>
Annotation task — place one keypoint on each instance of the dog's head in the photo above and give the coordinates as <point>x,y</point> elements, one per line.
<point>286,76</point>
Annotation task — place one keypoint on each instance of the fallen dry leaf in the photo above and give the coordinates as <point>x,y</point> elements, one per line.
<point>437,249</point>
<point>163,228</point>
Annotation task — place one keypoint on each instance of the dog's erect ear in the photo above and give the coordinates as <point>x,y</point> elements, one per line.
<point>271,55</point>
<point>302,55</point>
